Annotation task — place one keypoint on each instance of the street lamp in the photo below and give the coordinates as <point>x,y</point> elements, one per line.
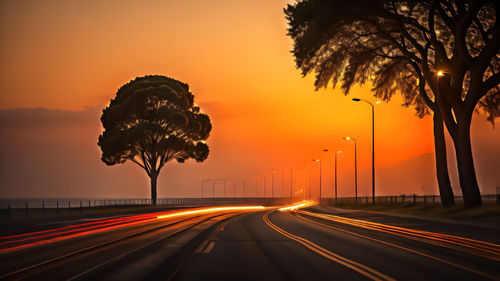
<point>310,185</point>
<point>213,186</point>
<point>373,145</point>
<point>336,154</point>
<point>256,186</point>
<point>265,187</point>
<point>244,187</point>
<point>317,160</point>
<point>355,167</point>
<point>282,181</point>
<point>335,172</point>
<point>202,189</point>
<point>272,183</point>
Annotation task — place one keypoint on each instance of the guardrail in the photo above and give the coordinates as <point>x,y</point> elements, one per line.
<point>403,200</point>
<point>16,208</point>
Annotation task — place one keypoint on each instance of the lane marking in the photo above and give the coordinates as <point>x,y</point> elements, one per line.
<point>475,247</point>
<point>209,247</point>
<point>403,248</point>
<point>355,266</point>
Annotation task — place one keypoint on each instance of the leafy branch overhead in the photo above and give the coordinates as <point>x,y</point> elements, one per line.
<point>152,120</point>
<point>399,45</point>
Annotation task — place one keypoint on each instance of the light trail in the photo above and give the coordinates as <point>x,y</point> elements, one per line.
<point>402,248</point>
<point>296,206</point>
<point>475,247</point>
<point>212,210</point>
<point>24,240</point>
<point>355,266</point>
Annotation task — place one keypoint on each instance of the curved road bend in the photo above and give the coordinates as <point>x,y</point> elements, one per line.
<point>296,246</point>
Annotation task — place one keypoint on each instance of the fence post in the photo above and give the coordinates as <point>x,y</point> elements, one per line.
<point>26,208</point>
<point>43,207</point>
<point>414,199</point>
<point>81,206</point>
<point>69,206</point>
<point>57,207</point>
<point>9,211</point>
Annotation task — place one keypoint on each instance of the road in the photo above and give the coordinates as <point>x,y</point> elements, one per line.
<point>308,244</point>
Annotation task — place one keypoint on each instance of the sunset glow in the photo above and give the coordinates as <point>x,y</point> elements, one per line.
<point>265,115</point>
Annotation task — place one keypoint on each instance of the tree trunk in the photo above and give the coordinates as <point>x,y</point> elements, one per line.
<point>445,190</point>
<point>465,163</point>
<point>154,178</point>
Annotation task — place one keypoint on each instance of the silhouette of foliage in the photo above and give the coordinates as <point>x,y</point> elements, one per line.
<point>399,46</point>
<point>152,120</point>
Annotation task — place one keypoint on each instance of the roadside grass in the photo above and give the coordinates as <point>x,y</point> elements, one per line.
<point>485,214</point>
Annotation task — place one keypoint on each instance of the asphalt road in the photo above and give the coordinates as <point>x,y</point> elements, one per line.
<point>311,244</point>
<point>302,247</point>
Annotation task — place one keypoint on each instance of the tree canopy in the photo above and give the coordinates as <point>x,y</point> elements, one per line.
<point>440,55</point>
<point>152,120</point>
<point>400,46</point>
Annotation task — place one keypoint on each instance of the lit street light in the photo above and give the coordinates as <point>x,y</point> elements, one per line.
<point>373,145</point>
<point>355,168</point>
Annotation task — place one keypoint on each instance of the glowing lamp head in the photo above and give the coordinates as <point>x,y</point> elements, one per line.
<point>356,99</point>
<point>316,160</point>
<point>440,73</point>
<point>377,102</point>
<point>340,151</point>
<point>346,138</point>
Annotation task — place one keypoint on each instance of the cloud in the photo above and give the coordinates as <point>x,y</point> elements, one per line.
<point>30,118</point>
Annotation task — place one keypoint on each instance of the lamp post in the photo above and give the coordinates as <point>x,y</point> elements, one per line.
<point>373,145</point>
<point>317,160</point>
<point>234,188</point>
<point>244,187</point>
<point>355,168</point>
<point>291,182</point>
<point>256,186</point>
<point>310,185</point>
<point>213,187</point>
<point>336,154</point>
<point>272,184</point>
<point>282,181</point>
<point>265,187</point>
<point>202,189</point>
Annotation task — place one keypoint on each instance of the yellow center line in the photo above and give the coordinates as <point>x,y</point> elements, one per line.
<point>357,267</point>
<point>471,246</point>
<point>403,248</point>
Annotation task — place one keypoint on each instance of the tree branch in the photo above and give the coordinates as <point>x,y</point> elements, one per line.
<point>491,82</point>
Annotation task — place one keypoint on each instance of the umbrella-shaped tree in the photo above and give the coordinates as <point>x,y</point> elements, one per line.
<point>152,120</point>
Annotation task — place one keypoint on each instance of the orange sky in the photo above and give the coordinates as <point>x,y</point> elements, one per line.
<point>235,56</point>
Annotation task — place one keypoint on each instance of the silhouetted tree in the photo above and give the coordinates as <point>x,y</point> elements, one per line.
<point>400,46</point>
<point>152,120</point>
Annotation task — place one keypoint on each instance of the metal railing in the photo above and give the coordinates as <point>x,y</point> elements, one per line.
<point>403,200</point>
<point>54,207</point>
